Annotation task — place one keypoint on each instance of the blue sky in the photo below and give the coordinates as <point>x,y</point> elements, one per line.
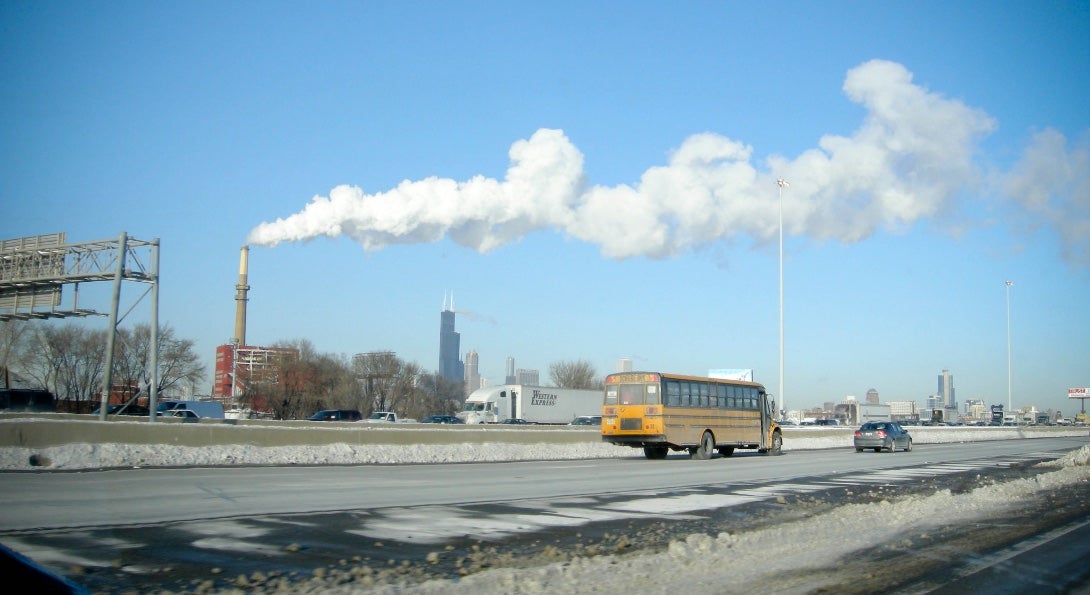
<point>590,180</point>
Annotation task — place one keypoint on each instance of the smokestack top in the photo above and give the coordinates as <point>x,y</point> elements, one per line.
<point>244,261</point>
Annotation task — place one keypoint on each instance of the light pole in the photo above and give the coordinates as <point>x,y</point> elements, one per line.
<point>1010,410</point>
<point>782,183</point>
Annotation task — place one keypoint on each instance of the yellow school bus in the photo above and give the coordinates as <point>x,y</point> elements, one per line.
<point>663,412</point>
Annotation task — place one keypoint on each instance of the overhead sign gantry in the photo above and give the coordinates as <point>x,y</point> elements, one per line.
<point>34,270</point>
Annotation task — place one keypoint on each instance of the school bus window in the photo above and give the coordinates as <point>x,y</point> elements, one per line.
<point>652,394</point>
<point>611,395</point>
<point>673,393</point>
<point>704,394</point>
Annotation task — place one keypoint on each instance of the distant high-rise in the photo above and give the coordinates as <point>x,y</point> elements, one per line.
<point>450,366</point>
<point>472,374</point>
<point>946,389</point>
<point>530,377</point>
<point>509,371</point>
<point>624,365</point>
<point>872,397</point>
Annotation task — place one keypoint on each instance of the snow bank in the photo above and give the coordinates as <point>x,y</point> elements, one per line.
<point>741,563</point>
<point>121,455</point>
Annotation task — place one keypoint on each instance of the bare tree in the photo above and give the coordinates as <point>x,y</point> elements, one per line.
<point>436,395</point>
<point>177,361</point>
<point>380,374</point>
<point>574,374</point>
<point>69,361</point>
<point>311,382</point>
<point>287,397</point>
<point>14,335</point>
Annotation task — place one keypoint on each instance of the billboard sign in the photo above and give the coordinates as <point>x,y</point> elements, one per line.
<point>1078,393</point>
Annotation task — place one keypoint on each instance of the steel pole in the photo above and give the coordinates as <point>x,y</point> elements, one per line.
<point>1009,404</point>
<point>107,375</point>
<point>783,399</point>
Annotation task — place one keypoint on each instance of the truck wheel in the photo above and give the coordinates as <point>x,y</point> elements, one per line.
<point>655,452</point>
<point>706,448</point>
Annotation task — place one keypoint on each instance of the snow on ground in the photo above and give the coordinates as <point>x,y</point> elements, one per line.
<point>117,455</point>
<point>758,560</point>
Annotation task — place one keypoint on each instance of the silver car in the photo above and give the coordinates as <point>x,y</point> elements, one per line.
<point>882,435</point>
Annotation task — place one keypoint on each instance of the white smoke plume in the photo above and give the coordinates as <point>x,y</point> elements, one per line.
<point>1053,184</point>
<point>909,158</point>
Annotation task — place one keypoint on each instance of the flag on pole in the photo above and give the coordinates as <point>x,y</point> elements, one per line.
<point>782,183</point>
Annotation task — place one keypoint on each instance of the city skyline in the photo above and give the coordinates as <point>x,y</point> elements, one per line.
<point>590,192</point>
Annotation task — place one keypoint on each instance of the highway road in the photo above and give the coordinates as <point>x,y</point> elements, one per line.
<point>156,528</point>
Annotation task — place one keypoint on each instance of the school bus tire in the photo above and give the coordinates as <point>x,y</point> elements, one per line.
<point>706,447</point>
<point>777,445</point>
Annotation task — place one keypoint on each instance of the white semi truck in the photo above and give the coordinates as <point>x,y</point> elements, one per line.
<point>534,404</point>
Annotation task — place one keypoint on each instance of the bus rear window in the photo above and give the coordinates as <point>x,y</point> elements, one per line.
<point>652,394</point>
<point>632,394</point>
<point>611,395</point>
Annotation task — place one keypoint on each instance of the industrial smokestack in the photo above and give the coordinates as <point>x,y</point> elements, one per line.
<point>240,297</point>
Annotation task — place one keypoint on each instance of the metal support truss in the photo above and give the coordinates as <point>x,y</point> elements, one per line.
<point>33,271</point>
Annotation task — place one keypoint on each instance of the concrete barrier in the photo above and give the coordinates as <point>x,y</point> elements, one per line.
<point>44,430</point>
<point>47,430</point>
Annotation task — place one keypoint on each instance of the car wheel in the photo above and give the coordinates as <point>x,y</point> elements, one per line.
<point>892,446</point>
<point>706,448</point>
<point>908,447</point>
<point>857,449</point>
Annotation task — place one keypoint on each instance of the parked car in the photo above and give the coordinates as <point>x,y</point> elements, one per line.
<point>337,415</point>
<point>587,420</point>
<point>441,419</point>
<point>515,421</point>
<point>130,410</point>
<point>882,435</point>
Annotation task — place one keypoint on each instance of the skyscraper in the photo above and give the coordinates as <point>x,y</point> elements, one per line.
<point>872,397</point>
<point>472,373</point>
<point>946,389</point>
<point>509,371</point>
<point>530,377</point>
<point>450,366</point>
